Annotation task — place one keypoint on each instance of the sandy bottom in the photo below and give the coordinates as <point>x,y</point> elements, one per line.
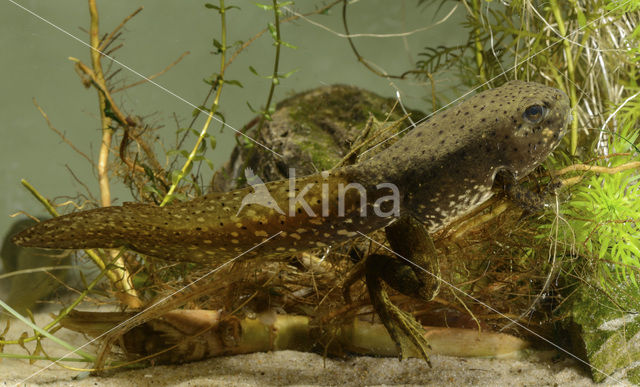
<point>297,368</point>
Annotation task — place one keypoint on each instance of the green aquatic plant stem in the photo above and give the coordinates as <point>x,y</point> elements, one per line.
<point>33,357</point>
<point>478,43</point>
<point>276,63</point>
<point>317,11</point>
<point>214,107</point>
<point>50,326</point>
<point>77,301</point>
<point>40,269</point>
<point>571,72</point>
<point>88,357</point>
<point>40,198</point>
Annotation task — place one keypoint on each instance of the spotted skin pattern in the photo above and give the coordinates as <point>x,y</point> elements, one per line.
<point>443,169</point>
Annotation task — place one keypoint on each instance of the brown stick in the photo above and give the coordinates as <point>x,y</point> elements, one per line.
<point>140,82</point>
<point>107,40</point>
<point>46,118</point>
<point>121,119</point>
<point>596,168</point>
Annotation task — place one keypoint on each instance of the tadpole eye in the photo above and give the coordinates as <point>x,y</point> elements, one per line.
<point>534,113</point>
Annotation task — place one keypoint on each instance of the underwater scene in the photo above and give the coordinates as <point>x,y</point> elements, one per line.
<point>320,193</point>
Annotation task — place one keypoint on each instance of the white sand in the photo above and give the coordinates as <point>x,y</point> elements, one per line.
<point>297,368</point>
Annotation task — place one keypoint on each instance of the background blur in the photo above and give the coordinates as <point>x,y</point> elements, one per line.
<point>35,64</point>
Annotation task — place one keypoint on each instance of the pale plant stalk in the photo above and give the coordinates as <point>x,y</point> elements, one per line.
<point>571,72</point>
<point>122,277</point>
<point>107,132</point>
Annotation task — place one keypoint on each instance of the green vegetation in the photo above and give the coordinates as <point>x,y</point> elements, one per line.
<point>566,43</point>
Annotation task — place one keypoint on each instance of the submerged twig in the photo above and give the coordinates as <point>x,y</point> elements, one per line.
<point>147,79</point>
<point>62,136</point>
<point>111,37</point>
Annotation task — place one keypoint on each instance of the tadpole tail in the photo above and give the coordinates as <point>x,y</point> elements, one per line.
<point>106,227</point>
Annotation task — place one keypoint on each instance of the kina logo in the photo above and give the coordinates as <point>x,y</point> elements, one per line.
<point>260,195</point>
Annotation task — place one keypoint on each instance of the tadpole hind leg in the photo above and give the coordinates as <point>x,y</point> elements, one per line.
<point>414,271</point>
<point>414,250</point>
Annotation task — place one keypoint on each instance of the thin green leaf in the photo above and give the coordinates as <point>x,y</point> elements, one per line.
<point>233,82</point>
<point>209,163</point>
<point>264,7</point>
<point>288,74</point>
<point>199,110</point>
<point>151,189</point>
<point>289,45</point>
<point>175,177</point>
<point>189,168</point>
<point>42,332</point>
<point>273,31</point>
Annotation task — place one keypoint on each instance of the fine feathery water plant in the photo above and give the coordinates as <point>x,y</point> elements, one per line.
<point>561,43</point>
<point>603,210</point>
